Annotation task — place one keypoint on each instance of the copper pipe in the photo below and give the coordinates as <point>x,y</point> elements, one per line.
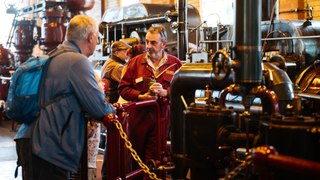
<point>262,92</point>
<point>266,158</point>
<point>259,91</point>
<point>295,165</point>
<point>232,89</point>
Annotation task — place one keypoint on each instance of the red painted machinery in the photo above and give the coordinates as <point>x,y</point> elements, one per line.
<point>24,40</point>
<point>7,66</point>
<point>52,29</point>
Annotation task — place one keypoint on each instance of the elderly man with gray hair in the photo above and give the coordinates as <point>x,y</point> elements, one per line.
<point>58,135</point>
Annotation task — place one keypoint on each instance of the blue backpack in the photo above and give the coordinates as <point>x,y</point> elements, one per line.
<point>26,82</point>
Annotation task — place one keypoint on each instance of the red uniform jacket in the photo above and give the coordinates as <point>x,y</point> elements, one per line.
<point>142,125</point>
<point>138,74</point>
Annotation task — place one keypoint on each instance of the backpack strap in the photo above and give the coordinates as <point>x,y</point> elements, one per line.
<point>56,99</point>
<point>52,54</point>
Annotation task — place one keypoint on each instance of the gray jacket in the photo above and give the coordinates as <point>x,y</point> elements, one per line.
<point>59,134</point>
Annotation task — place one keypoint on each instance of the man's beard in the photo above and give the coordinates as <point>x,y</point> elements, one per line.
<point>153,53</point>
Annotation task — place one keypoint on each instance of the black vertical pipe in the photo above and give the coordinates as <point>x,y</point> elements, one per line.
<point>248,42</point>
<point>182,38</point>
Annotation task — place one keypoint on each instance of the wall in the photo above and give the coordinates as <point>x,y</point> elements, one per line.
<point>316,7</point>
<point>115,3</point>
<point>284,5</point>
<point>286,9</point>
<point>157,1</point>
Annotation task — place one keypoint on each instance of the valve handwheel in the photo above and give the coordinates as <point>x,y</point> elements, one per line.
<point>221,65</point>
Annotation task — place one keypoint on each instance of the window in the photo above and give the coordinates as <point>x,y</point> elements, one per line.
<point>6,22</point>
<point>128,2</point>
<point>217,11</point>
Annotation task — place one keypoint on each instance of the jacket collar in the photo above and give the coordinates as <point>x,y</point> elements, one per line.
<point>117,59</point>
<point>70,45</point>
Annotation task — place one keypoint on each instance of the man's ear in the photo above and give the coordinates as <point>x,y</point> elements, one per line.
<point>164,43</point>
<point>90,37</point>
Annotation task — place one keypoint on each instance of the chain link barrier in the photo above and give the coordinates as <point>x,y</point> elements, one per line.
<point>232,174</point>
<point>134,154</point>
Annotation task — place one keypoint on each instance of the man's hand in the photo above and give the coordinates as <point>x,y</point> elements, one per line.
<point>117,105</point>
<point>157,89</point>
<point>147,96</point>
<point>108,118</point>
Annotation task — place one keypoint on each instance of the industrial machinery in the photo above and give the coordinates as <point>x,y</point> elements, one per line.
<point>258,89</point>
<point>26,31</point>
<point>7,66</point>
<point>42,23</point>
<point>221,136</point>
<point>246,93</point>
<point>130,24</point>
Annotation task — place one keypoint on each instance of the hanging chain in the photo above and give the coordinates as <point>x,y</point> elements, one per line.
<point>134,154</point>
<point>232,174</point>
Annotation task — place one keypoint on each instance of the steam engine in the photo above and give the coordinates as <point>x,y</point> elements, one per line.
<point>257,89</point>
<point>222,136</point>
<point>253,96</point>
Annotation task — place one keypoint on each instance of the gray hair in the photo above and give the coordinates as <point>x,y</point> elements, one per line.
<point>158,29</point>
<point>80,26</point>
